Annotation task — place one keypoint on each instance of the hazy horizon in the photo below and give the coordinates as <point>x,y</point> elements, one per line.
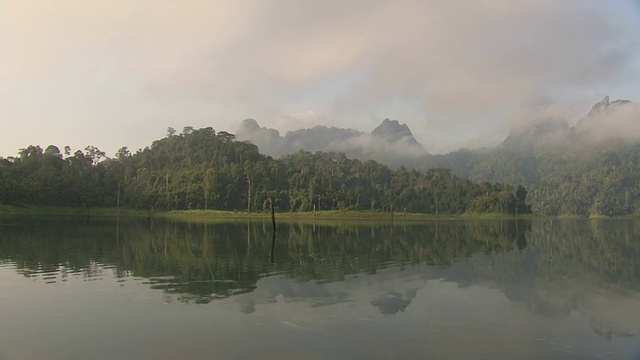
<point>119,73</point>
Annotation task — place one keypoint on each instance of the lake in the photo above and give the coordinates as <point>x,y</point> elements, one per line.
<point>496,289</point>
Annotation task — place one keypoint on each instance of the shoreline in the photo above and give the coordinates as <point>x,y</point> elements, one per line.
<point>351,215</point>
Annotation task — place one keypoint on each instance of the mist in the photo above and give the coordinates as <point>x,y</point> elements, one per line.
<point>610,120</point>
<point>391,142</point>
<point>460,74</point>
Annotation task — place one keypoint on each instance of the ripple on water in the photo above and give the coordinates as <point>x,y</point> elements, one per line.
<point>7,264</point>
<point>51,273</point>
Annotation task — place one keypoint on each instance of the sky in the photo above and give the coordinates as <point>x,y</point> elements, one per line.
<point>458,73</point>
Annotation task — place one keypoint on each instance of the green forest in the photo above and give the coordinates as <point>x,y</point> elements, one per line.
<point>581,179</point>
<point>205,169</point>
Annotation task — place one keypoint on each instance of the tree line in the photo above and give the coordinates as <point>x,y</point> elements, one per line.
<point>580,180</point>
<point>205,169</point>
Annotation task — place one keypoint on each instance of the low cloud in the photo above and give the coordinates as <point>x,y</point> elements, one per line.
<point>611,120</point>
<point>455,72</point>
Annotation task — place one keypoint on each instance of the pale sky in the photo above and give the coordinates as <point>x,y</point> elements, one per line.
<point>458,73</point>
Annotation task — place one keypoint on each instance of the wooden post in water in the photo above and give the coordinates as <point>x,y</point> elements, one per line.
<point>271,249</point>
<point>273,231</point>
<point>248,194</point>
<point>391,214</point>
<point>151,211</point>
<point>273,216</point>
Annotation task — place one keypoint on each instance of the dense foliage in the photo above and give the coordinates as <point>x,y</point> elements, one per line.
<point>202,169</point>
<point>599,179</point>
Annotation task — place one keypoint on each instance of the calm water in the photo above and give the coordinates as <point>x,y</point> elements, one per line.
<point>108,289</point>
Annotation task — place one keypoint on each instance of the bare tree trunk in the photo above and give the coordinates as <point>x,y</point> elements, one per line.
<point>249,194</point>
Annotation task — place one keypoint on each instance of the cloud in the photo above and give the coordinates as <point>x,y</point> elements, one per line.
<point>545,313</point>
<point>617,120</point>
<point>453,71</point>
<point>478,60</point>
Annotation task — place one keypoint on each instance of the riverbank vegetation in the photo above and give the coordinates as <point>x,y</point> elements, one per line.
<point>200,169</point>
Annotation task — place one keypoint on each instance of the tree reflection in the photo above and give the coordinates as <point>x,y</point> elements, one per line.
<point>200,262</point>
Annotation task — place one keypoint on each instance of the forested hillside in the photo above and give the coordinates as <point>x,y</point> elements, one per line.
<point>591,168</point>
<point>599,181</point>
<point>202,169</point>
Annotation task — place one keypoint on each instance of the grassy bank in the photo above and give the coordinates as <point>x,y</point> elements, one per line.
<point>324,215</point>
<point>364,215</point>
<point>29,210</point>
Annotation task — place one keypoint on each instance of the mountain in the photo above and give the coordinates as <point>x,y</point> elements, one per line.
<point>590,168</point>
<point>606,124</point>
<point>607,121</point>
<point>267,140</point>
<point>537,136</point>
<point>390,143</point>
<point>604,107</point>
<point>392,131</point>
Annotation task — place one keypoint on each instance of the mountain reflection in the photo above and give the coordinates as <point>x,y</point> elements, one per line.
<point>561,289</point>
<point>209,260</point>
<point>393,302</point>
<point>200,262</point>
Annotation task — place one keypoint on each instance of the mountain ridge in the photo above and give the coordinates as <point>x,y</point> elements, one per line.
<point>390,142</point>
<point>608,122</point>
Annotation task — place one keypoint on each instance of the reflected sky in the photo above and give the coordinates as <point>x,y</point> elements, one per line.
<point>495,302</point>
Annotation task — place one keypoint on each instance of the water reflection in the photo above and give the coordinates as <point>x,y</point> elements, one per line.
<point>454,278</point>
<point>212,260</point>
<point>222,259</point>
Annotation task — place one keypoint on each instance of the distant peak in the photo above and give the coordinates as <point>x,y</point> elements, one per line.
<point>600,107</point>
<point>392,124</point>
<point>250,124</point>
<point>392,130</point>
<point>605,100</point>
<point>603,106</point>
<point>619,102</point>
<point>524,138</point>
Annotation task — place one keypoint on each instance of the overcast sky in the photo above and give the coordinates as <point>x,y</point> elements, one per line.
<point>459,73</point>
